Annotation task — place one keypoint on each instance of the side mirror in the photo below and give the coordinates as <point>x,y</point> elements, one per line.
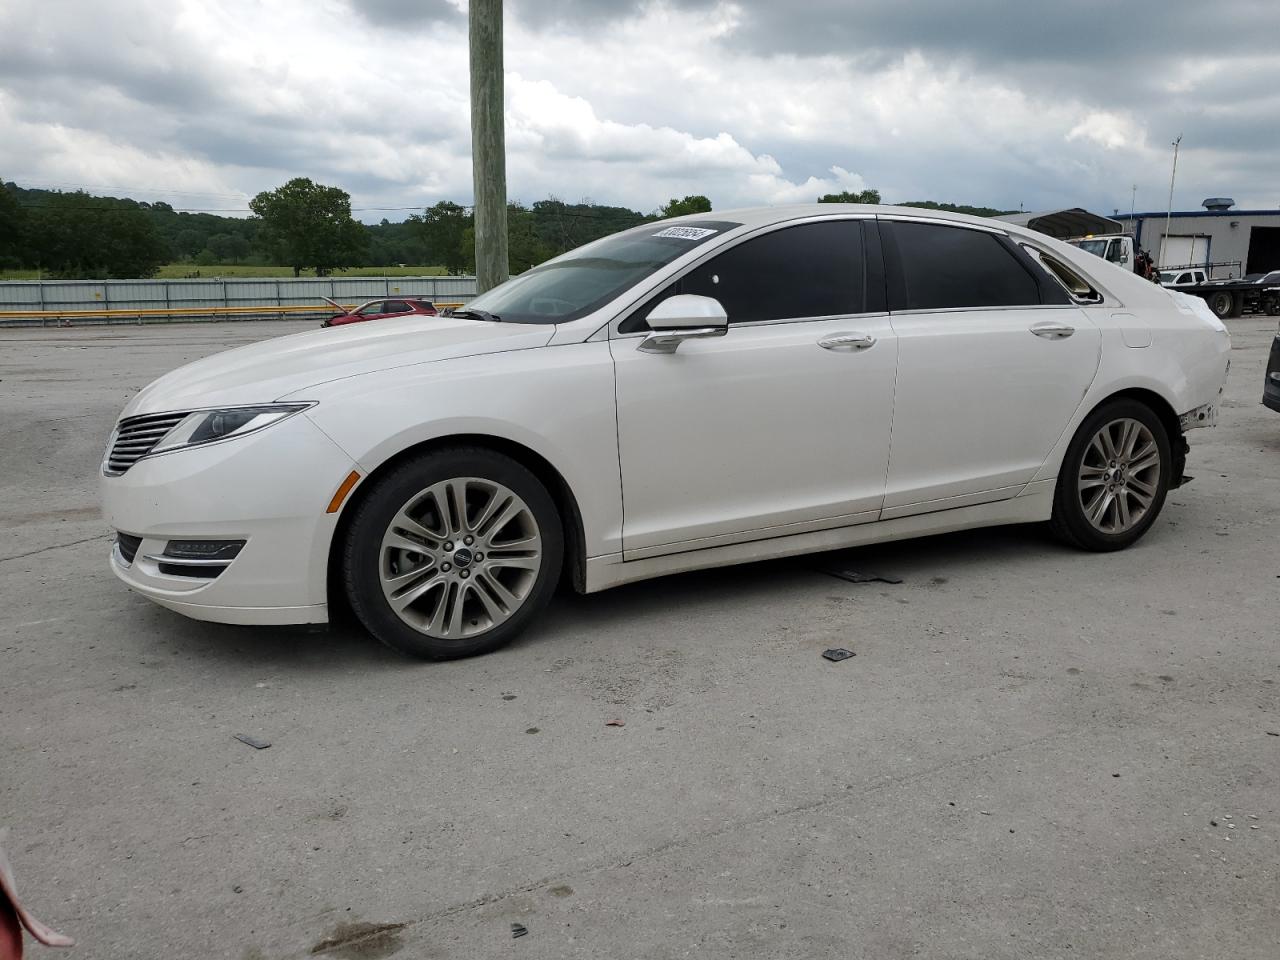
<point>683,317</point>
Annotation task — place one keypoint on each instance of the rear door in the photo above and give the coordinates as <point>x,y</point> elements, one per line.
<point>993,360</point>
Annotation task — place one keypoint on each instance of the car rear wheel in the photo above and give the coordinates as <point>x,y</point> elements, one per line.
<point>453,553</point>
<point>1114,478</point>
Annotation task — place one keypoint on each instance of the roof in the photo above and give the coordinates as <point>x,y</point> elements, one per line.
<point>1070,222</point>
<point>1204,213</point>
<point>761,216</point>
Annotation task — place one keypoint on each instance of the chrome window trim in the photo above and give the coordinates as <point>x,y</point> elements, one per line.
<point>993,309</point>
<point>939,222</point>
<point>725,245</point>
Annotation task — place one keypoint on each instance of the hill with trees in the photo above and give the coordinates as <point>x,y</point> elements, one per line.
<point>305,225</point>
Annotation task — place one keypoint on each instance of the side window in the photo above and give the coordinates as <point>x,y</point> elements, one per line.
<point>1076,286</point>
<point>809,270</point>
<point>395,306</point>
<point>948,267</point>
<point>367,309</point>
<point>1183,278</point>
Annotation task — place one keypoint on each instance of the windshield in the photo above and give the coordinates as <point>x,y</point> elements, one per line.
<point>573,285</point>
<point>1166,276</point>
<point>1097,247</point>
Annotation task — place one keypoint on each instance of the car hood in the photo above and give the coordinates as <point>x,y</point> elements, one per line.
<point>266,371</point>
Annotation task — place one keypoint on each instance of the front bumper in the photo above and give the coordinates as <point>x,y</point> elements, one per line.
<point>269,489</point>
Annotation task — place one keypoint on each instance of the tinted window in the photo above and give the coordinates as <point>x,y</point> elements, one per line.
<point>947,267</point>
<point>812,270</point>
<point>395,306</point>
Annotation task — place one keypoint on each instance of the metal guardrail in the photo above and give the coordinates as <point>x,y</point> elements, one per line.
<point>69,318</point>
<point>135,301</point>
<point>1232,266</point>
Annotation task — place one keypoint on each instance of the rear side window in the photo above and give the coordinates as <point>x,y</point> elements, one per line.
<point>1079,288</point>
<point>948,267</point>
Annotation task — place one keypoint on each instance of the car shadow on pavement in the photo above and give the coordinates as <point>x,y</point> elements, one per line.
<point>345,644</point>
<point>915,561</point>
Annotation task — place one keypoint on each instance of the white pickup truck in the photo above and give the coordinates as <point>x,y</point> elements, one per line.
<point>1183,278</point>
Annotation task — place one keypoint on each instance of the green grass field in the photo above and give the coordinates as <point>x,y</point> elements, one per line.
<point>177,271</point>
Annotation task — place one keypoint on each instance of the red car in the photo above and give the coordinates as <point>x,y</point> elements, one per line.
<point>377,309</point>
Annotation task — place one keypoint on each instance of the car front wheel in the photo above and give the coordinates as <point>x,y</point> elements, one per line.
<point>453,553</point>
<point>1114,477</point>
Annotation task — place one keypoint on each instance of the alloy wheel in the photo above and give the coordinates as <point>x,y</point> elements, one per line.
<point>1119,476</point>
<point>460,558</point>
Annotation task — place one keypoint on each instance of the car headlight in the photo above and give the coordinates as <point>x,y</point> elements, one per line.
<point>210,426</point>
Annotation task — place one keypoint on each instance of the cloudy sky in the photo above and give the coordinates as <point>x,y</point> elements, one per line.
<point>205,102</point>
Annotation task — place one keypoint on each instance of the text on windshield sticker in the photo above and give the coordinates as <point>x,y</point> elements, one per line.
<point>685,233</point>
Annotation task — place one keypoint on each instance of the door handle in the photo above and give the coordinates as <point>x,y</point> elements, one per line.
<point>1052,331</point>
<point>848,341</point>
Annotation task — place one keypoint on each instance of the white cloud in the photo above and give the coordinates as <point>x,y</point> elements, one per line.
<point>1107,130</point>
<point>229,97</point>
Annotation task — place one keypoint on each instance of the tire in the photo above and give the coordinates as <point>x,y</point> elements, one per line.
<point>1273,307</point>
<point>1137,488</point>
<point>491,544</point>
<point>1222,303</point>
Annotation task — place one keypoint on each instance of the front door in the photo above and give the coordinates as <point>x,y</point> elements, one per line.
<point>780,426</point>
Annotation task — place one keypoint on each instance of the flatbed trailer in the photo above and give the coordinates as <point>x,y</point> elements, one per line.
<point>1231,298</point>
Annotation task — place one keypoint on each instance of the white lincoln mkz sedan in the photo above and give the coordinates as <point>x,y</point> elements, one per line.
<point>697,392</point>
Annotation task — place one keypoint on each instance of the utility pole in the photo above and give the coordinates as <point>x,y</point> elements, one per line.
<point>1133,199</point>
<point>488,143</point>
<point>1168,218</point>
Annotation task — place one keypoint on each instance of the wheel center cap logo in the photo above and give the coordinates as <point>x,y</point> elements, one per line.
<point>463,557</point>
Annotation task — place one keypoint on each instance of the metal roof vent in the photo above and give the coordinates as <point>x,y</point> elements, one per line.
<point>1218,203</point>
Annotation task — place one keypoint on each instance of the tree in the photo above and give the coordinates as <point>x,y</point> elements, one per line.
<point>694,203</point>
<point>525,248</point>
<point>847,196</point>
<point>76,235</point>
<point>442,227</point>
<point>310,225</point>
<point>956,208</point>
<point>13,229</point>
<point>188,243</point>
<point>228,247</point>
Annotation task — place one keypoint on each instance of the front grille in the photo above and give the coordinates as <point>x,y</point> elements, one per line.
<point>135,437</point>
<point>128,546</point>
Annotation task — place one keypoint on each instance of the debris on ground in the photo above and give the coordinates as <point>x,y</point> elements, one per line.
<point>518,930</point>
<point>14,918</point>
<point>361,939</point>
<point>836,654</point>
<point>854,576</point>
<point>615,722</point>
<point>253,741</point>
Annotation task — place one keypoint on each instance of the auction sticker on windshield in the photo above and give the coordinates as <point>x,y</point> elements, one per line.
<point>685,233</point>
